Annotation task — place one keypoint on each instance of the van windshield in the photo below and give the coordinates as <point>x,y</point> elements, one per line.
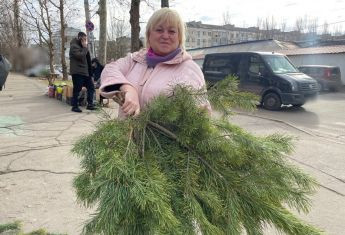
<point>279,64</point>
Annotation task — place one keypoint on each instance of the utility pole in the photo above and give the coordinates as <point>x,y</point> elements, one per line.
<point>90,36</point>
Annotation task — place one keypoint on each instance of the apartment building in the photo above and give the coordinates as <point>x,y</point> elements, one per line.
<point>200,35</point>
<point>70,33</point>
<point>206,35</point>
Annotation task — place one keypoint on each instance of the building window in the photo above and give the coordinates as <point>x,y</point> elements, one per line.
<point>198,42</point>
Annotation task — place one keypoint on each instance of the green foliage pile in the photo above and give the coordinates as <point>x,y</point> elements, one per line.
<point>175,170</point>
<point>15,228</point>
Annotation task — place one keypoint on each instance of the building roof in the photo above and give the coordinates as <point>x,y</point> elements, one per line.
<point>257,45</point>
<point>314,50</point>
<point>231,27</point>
<point>280,44</point>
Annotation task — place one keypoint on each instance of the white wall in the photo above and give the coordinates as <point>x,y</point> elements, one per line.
<point>321,59</point>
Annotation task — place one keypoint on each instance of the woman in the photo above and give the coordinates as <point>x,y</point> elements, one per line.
<point>155,69</point>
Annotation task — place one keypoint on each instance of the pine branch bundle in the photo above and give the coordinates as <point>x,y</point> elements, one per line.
<point>174,170</point>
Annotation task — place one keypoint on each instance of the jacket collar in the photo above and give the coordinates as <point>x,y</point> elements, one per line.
<point>140,57</point>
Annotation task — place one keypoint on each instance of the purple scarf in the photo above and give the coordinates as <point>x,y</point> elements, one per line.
<point>153,59</point>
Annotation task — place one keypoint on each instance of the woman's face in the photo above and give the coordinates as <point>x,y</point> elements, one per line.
<point>163,39</point>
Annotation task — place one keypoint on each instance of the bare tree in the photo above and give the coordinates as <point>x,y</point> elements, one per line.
<point>337,30</point>
<point>226,18</point>
<point>102,53</point>
<point>259,26</point>
<point>325,28</point>
<point>299,24</point>
<point>46,20</point>
<point>269,25</point>
<point>135,26</point>
<point>283,29</point>
<point>63,41</point>
<point>283,25</point>
<point>40,15</point>
<point>18,30</point>
<point>312,26</point>
<point>118,42</point>
<point>60,7</point>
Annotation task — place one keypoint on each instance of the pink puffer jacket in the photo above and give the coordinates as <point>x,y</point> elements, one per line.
<point>151,82</point>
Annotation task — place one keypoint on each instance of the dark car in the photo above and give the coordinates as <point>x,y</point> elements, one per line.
<point>328,77</point>
<point>270,75</point>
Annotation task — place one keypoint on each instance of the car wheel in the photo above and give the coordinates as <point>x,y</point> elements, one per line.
<point>333,89</point>
<point>320,86</point>
<point>271,101</point>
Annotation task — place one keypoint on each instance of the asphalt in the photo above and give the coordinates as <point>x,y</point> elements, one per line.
<point>37,167</point>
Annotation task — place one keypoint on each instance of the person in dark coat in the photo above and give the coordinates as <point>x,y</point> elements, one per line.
<point>81,71</point>
<point>5,67</point>
<point>97,69</point>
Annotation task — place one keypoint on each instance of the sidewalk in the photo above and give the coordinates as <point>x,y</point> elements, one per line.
<point>37,168</point>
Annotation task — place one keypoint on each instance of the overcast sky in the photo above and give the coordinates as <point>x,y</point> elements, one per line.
<point>244,13</point>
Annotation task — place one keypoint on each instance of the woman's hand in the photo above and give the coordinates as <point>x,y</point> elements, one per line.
<point>131,106</point>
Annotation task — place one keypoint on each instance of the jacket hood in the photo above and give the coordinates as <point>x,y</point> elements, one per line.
<point>75,41</point>
<point>140,57</point>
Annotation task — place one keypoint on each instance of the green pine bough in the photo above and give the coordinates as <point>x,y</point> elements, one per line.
<point>15,228</point>
<point>175,170</point>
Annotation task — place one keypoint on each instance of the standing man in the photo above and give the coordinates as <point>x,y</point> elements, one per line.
<point>80,69</point>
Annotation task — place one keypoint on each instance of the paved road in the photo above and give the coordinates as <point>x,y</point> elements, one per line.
<point>324,116</point>
<point>319,128</point>
<point>36,167</point>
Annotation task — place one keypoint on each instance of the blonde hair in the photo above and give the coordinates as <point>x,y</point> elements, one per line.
<point>166,15</point>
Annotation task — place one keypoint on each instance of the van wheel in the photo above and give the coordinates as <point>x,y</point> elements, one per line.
<point>298,105</point>
<point>272,101</point>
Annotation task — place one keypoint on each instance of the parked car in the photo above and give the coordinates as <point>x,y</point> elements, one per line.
<point>328,77</point>
<point>270,75</point>
<point>37,70</point>
<point>41,70</point>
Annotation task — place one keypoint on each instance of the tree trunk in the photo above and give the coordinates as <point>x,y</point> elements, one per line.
<point>165,3</point>
<point>135,27</point>
<point>63,41</point>
<point>46,20</point>
<point>102,53</point>
<point>18,31</point>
